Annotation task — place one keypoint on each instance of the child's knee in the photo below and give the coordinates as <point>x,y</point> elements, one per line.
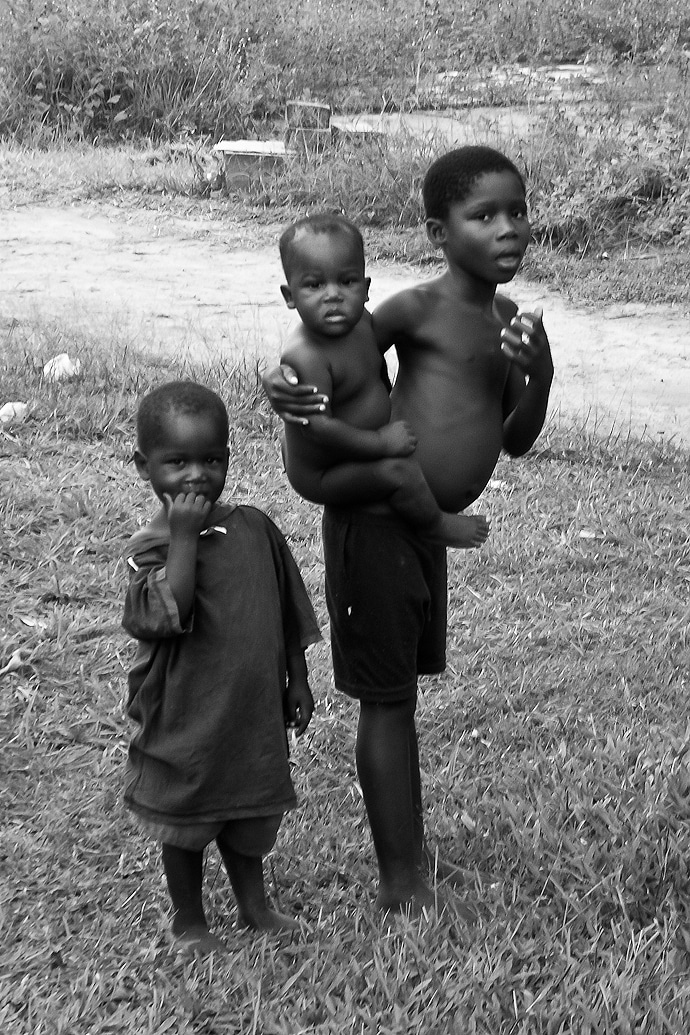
<point>399,472</point>
<point>252,837</point>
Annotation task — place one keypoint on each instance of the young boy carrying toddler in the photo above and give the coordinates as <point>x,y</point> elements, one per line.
<point>349,453</point>
<point>222,619</point>
<point>474,378</point>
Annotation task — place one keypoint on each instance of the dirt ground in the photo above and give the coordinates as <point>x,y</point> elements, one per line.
<point>193,286</point>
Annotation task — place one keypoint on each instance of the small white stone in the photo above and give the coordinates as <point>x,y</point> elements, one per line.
<point>61,368</point>
<point>13,412</point>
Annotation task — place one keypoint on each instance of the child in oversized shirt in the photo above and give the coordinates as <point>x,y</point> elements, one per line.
<point>222,619</point>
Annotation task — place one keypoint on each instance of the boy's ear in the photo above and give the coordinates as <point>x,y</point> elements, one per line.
<point>367,284</point>
<point>436,232</point>
<point>142,465</point>
<point>287,295</point>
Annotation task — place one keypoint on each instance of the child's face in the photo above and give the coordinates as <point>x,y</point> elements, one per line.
<point>487,233</point>
<point>327,285</point>
<point>192,456</point>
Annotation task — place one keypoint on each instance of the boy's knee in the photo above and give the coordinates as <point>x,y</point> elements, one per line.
<point>252,837</point>
<point>394,712</point>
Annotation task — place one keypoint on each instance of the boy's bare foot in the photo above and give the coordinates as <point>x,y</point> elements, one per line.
<point>197,939</point>
<point>463,531</point>
<point>268,920</point>
<point>413,898</point>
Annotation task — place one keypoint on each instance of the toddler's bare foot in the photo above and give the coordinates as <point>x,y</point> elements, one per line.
<point>463,531</point>
<point>197,939</point>
<point>268,920</point>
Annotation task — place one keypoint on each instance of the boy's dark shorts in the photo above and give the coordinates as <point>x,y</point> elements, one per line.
<point>386,591</point>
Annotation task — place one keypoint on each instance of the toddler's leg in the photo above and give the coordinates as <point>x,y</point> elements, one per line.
<point>184,875</point>
<point>242,844</point>
<point>400,481</point>
<point>384,766</point>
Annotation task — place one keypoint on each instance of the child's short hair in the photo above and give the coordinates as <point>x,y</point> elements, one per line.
<point>320,223</point>
<point>176,397</point>
<point>451,176</point>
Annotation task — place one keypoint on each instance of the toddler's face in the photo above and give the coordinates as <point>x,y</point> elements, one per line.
<point>487,233</point>
<point>327,285</point>
<point>192,456</point>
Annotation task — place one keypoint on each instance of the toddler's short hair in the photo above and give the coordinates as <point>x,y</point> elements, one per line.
<point>451,176</point>
<point>320,223</point>
<point>172,398</point>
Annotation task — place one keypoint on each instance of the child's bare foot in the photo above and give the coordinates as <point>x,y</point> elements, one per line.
<point>463,531</point>
<point>268,920</point>
<point>412,898</point>
<point>197,939</point>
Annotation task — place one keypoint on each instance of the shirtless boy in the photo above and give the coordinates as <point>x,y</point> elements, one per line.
<point>474,378</point>
<point>350,454</point>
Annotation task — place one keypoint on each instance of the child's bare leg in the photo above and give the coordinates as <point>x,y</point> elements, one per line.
<point>431,864</point>
<point>400,482</point>
<point>246,872</point>
<point>384,765</point>
<point>184,875</point>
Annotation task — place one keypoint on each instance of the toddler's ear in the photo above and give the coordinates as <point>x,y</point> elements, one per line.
<point>287,295</point>
<point>436,232</point>
<point>142,465</point>
<point>367,281</point>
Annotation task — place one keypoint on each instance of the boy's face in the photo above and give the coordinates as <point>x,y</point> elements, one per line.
<point>326,284</point>
<point>191,456</point>
<point>487,233</point>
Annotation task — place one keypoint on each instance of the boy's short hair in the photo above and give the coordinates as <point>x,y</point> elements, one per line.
<point>175,397</point>
<point>320,223</point>
<point>451,176</point>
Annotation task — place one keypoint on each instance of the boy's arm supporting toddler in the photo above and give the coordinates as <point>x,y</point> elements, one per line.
<point>343,441</point>
<point>340,439</point>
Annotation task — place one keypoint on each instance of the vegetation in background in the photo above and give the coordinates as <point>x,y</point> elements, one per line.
<point>609,175</point>
<point>554,750</point>
<point>90,69</point>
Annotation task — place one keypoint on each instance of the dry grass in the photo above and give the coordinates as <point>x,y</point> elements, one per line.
<point>553,749</point>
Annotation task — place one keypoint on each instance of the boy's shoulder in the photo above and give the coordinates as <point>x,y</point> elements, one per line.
<point>409,300</point>
<point>400,313</point>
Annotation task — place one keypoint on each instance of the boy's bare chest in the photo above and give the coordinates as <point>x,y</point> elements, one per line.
<point>459,345</point>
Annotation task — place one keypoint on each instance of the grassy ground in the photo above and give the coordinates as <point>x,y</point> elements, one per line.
<point>553,752</point>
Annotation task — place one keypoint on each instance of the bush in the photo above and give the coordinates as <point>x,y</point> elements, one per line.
<point>87,68</point>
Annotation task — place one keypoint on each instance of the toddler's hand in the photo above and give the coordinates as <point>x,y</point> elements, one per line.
<point>398,438</point>
<point>187,513</point>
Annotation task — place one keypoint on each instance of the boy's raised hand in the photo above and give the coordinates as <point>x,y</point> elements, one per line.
<point>525,343</point>
<point>293,402</point>
<point>187,513</point>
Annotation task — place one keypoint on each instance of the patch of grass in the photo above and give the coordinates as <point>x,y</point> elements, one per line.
<point>554,752</point>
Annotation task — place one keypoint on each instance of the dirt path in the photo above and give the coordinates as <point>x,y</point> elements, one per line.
<point>184,285</point>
